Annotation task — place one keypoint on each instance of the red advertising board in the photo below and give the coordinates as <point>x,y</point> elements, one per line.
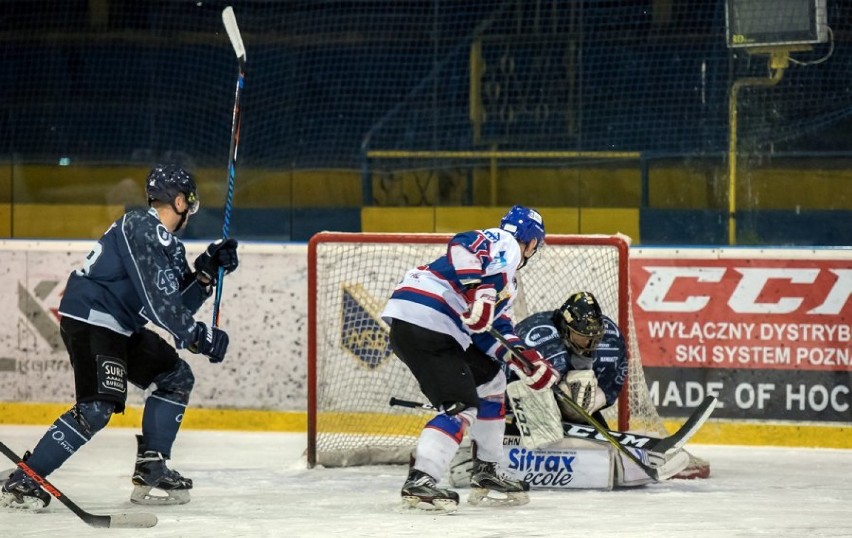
<point>768,331</point>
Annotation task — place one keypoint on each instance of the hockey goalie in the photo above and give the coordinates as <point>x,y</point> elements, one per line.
<point>547,442</point>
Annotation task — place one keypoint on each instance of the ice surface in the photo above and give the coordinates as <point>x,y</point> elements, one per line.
<point>257,484</point>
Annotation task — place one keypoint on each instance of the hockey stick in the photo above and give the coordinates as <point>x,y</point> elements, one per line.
<point>666,445</point>
<point>562,397</point>
<point>412,404</point>
<point>139,520</point>
<point>689,428</point>
<point>230,22</point>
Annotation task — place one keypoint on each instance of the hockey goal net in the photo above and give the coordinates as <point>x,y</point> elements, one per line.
<point>352,374</point>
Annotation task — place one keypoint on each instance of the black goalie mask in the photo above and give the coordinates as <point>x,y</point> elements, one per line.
<point>580,323</point>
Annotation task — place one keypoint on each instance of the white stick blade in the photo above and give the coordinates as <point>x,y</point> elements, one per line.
<point>138,520</point>
<point>230,21</point>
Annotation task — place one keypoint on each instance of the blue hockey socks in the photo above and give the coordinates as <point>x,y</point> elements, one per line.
<point>160,423</point>
<point>68,433</point>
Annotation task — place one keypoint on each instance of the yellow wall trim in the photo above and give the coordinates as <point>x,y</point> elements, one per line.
<point>714,432</point>
<point>195,418</point>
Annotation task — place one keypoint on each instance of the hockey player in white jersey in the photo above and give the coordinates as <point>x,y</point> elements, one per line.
<point>136,273</point>
<point>433,314</point>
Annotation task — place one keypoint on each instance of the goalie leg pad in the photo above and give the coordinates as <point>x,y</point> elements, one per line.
<point>565,464</point>
<point>669,465</point>
<point>628,474</point>
<point>536,415</point>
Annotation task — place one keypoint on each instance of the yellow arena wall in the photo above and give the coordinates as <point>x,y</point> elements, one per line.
<point>714,432</point>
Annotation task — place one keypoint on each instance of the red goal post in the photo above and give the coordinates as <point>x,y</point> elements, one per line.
<point>351,372</point>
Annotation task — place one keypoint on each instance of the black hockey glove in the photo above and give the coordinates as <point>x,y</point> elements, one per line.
<point>220,253</point>
<point>210,342</point>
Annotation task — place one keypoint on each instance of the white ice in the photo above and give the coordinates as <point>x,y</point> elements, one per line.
<point>257,484</point>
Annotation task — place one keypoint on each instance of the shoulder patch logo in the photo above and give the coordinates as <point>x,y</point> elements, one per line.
<point>498,262</point>
<point>164,235</point>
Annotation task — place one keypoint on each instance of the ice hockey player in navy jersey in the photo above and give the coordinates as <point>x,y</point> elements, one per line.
<point>588,351</point>
<point>433,314</point>
<point>136,273</point>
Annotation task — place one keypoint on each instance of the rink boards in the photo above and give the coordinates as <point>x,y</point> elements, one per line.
<point>767,330</point>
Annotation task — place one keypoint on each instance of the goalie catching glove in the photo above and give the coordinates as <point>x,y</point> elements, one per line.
<point>211,342</point>
<point>220,253</point>
<point>536,372</point>
<point>582,387</point>
<point>481,304</point>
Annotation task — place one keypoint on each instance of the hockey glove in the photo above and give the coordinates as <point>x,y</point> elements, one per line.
<point>538,374</point>
<point>220,253</point>
<point>481,304</point>
<point>211,342</point>
<point>582,387</point>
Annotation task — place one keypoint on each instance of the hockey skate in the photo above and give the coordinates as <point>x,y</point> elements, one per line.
<point>420,491</point>
<point>21,492</point>
<point>489,488</point>
<point>151,473</point>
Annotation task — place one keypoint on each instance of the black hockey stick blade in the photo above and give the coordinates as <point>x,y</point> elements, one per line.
<point>139,520</point>
<point>664,445</point>
<point>584,431</point>
<point>675,441</point>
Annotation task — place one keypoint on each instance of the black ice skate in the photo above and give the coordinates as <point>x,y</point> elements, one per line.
<point>21,492</point>
<point>151,473</point>
<point>489,488</point>
<point>420,491</point>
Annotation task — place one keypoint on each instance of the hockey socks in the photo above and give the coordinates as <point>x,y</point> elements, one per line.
<point>161,421</point>
<point>68,434</point>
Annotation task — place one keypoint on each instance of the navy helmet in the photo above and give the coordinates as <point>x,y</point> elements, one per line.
<point>524,224</point>
<point>580,316</point>
<point>166,181</point>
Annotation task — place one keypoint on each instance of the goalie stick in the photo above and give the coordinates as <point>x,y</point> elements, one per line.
<point>564,398</point>
<point>230,22</point>
<point>665,445</point>
<point>139,520</point>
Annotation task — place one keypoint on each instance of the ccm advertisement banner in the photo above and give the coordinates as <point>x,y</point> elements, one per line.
<point>769,332</point>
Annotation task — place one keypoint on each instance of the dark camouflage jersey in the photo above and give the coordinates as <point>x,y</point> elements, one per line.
<point>609,359</point>
<point>136,273</point>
